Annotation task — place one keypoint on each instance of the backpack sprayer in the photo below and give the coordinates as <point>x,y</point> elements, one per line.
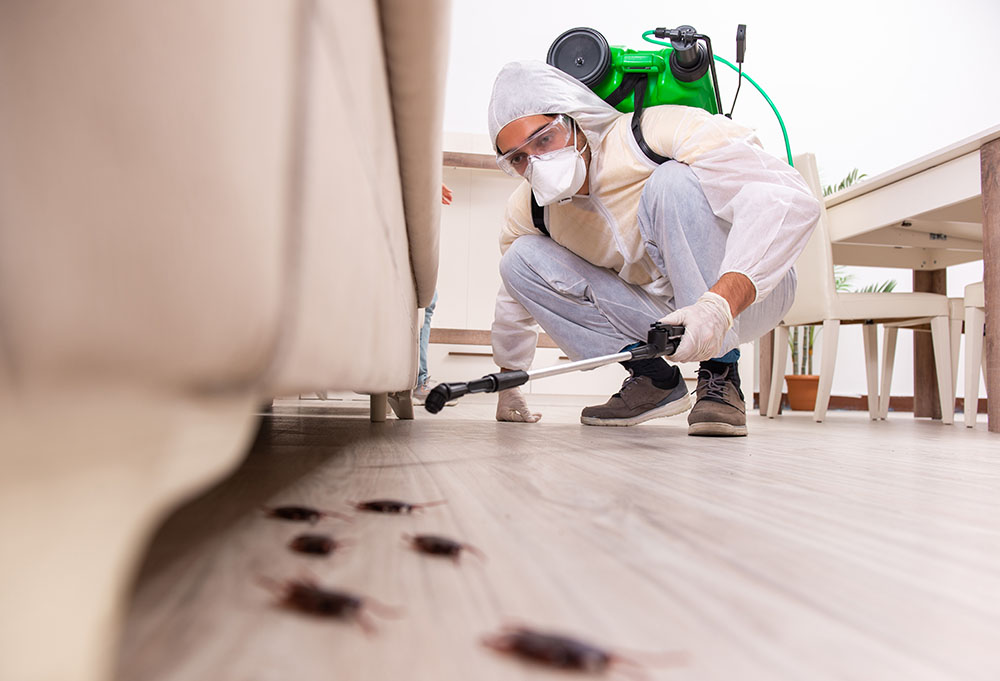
<point>682,73</point>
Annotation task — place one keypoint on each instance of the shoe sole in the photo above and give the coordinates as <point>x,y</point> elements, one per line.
<point>678,406</point>
<point>717,429</point>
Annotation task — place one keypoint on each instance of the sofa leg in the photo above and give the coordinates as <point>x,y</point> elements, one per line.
<point>378,407</point>
<point>85,483</point>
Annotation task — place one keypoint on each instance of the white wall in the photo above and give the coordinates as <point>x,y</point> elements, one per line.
<point>868,84</point>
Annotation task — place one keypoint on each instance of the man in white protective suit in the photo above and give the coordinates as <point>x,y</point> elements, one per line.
<point>705,236</point>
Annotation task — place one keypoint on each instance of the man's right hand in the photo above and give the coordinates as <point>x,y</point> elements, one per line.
<point>511,406</point>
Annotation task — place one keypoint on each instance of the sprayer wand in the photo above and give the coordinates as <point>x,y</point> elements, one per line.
<point>661,340</point>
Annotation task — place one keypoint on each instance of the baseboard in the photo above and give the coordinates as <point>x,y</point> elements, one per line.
<point>860,403</point>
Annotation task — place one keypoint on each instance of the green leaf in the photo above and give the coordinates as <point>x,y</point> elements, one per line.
<point>841,279</point>
<point>886,286</point>
<point>850,179</point>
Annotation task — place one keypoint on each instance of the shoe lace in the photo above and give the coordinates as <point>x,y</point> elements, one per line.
<point>625,385</point>
<point>715,384</point>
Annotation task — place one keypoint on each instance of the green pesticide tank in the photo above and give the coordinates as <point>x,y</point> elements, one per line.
<point>679,74</point>
<point>662,87</point>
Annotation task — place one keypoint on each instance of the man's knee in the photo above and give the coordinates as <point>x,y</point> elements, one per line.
<point>674,199</point>
<point>515,264</point>
<point>671,175</point>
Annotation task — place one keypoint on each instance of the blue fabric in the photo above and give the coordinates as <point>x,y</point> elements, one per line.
<point>425,337</point>
<point>730,357</point>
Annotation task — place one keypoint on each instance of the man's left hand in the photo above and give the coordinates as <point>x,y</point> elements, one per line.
<point>705,325</point>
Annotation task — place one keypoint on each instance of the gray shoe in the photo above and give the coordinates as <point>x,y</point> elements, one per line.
<point>421,392</point>
<point>720,409</point>
<point>638,400</point>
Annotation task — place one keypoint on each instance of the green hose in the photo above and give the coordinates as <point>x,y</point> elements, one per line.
<point>784,131</point>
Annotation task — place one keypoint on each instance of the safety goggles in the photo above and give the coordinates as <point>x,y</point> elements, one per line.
<point>555,136</point>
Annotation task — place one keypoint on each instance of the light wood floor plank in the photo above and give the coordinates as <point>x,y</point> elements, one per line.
<point>842,550</point>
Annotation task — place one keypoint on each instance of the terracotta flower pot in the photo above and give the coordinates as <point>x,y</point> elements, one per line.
<point>802,391</point>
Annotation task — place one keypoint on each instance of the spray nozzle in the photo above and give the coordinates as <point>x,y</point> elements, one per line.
<point>685,35</point>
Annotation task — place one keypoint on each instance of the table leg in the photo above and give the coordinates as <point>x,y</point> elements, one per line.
<point>989,159</point>
<point>925,387</point>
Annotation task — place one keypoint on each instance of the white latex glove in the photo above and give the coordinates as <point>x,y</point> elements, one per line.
<point>705,325</point>
<point>511,406</point>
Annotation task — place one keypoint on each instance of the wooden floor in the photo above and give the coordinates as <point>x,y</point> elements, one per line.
<point>842,550</point>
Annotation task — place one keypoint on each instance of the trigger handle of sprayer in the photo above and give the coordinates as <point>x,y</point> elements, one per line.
<point>662,339</point>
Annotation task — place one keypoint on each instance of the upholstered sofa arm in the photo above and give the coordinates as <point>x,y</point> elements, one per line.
<point>416,82</point>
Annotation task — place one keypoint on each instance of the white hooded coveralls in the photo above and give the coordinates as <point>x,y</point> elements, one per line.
<point>770,207</point>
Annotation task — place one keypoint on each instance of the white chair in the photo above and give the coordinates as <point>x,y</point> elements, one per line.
<point>975,324</point>
<point>818,302</point>
<point>971,311</point>
<point>956,315</point>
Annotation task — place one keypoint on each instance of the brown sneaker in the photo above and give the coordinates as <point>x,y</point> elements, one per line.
<point>638,400</point>
<point>720,409</point>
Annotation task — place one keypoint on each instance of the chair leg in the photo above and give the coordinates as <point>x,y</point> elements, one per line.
<point>779,358</point>
<point>831,333</point>
<point>941,338</point>
<point>888,364</point>
<point>975,322</point>
<point>869,334</point>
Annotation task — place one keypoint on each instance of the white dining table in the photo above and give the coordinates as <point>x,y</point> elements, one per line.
<point>924,215</point>
<point>938,210</point>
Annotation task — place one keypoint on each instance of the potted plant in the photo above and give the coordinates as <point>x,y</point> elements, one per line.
<point>802,382</point>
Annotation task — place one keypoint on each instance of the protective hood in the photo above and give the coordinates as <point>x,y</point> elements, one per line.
<point>527,88</point>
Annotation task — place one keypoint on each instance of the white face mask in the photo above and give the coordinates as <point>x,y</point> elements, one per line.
<point>557,175</point>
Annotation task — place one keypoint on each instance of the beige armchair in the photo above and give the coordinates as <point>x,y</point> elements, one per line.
<point>202,205</point>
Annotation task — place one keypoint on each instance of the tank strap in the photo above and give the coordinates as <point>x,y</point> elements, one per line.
<point>625,88</point>
<point>538,216</point>
<point>640,93</point>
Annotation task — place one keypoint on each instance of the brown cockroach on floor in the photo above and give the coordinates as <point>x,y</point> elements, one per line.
<point>316,544</point>
<point>306,596</point>
<point>392,506</point>
<point>563,652</point>
<point>436,545</point>
<point>302,514</point>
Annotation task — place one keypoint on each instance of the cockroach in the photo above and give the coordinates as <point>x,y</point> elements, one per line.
<point>392,506</point>
<point>302,514</point>
<point>315,544</point>
<point>306,596</point>
<point>436,545</point>
<point>563,652</point>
